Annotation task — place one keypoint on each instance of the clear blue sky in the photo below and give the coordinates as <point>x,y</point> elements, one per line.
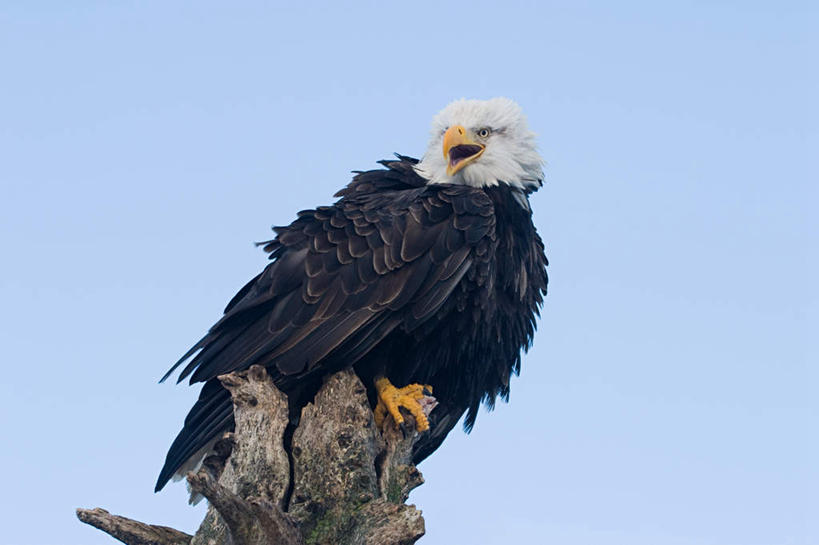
<point>671,397</point>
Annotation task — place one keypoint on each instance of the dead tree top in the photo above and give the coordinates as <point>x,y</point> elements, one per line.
<point>344,482</point>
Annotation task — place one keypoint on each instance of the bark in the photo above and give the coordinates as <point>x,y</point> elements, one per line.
<point>344,482</point>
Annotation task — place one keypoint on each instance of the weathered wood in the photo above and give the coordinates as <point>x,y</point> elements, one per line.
<point>240,521</point>
<point>337,455</point>
<point>350,480</point>
<point>130,531</point>
<point>257,468</point>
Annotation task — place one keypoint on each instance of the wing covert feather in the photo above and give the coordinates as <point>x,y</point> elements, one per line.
<point>338,268</point>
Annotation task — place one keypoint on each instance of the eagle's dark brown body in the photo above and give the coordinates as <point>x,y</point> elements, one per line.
<point>436,284</point>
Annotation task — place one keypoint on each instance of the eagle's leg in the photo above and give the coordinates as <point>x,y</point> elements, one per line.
<point>391,399</point>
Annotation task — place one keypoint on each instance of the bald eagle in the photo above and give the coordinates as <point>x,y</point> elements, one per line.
<point>423,272</point>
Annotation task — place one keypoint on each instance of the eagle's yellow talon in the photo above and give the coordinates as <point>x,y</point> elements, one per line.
<point>391,399</point>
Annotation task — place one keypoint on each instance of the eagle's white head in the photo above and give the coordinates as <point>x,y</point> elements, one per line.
<point>482,143</point>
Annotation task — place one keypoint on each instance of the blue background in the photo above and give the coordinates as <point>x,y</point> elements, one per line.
<point>671,393</point>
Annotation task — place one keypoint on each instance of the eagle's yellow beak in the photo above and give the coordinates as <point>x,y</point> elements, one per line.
<point>459,150</point>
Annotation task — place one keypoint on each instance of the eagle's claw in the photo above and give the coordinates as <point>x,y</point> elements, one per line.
<point>391,399</point>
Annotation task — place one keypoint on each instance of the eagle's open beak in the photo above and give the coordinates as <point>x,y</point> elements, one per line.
<point>459,150</point>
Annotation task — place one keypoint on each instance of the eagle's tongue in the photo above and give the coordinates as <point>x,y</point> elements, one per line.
<point>461,152</point>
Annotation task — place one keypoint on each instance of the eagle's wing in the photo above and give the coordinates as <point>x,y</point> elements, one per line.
<point>341,279</point>
<point>338,271</point>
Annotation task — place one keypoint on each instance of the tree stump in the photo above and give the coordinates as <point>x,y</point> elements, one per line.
<point>344,482</point>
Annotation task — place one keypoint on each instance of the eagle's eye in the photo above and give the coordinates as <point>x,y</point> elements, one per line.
<point>484,132</point>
